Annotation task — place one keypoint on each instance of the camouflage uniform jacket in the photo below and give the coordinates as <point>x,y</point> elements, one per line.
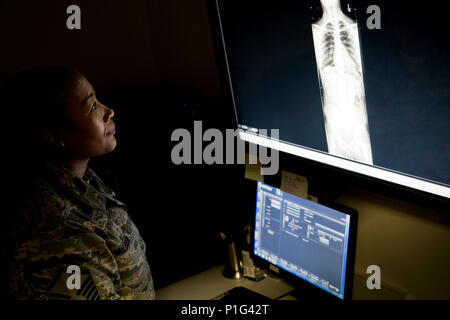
<point>70,221</point>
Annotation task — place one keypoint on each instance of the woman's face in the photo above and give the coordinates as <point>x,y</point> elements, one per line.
<point>93,129</point>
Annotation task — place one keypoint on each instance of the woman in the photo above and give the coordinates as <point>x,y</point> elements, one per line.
<point>68,219</point>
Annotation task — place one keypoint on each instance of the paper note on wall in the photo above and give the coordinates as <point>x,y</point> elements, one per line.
<point>253,171</point>
<point>294,184</point>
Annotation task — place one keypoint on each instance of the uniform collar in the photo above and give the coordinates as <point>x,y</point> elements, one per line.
<point>89,190</point>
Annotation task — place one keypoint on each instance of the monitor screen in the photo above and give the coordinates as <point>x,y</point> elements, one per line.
<point>365,89</point>
<point>307,239</point>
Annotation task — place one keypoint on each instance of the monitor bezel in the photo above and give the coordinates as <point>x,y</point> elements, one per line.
<point>310,291</point>
<point>403,183</point>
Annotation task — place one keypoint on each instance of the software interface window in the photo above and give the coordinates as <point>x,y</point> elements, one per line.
<point>302,237</point>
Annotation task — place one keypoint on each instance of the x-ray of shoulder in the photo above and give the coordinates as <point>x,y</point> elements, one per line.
<point>338,58</point>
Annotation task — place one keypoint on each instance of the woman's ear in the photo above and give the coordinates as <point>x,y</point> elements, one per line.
<point>54,138</point>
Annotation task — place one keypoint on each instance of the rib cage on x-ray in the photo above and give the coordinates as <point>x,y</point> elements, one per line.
<point>338,59</point>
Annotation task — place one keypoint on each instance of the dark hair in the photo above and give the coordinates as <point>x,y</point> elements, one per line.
<point>33,104</point>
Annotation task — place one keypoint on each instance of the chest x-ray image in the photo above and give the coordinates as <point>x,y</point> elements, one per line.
<point>338,58</point>
<point>371,101</point>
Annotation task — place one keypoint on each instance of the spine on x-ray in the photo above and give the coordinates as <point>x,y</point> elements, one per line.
<point>342,88</point>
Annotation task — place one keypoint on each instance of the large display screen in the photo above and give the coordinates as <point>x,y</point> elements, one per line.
<point>362,86</point>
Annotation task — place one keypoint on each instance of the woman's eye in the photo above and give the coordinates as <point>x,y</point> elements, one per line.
<point>94,106</point>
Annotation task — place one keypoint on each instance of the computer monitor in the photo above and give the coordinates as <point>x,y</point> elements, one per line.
<point>355,85</point>
<point>309,243</point>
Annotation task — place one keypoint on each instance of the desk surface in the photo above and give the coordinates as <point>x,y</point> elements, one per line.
<point>211,283</point>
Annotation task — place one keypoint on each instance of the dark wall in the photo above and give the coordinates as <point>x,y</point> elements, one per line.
<point>183,52</point>
<point>153,63</point>
<point>112,48</point>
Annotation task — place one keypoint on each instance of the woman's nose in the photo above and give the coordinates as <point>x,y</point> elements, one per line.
<point>109,113</point>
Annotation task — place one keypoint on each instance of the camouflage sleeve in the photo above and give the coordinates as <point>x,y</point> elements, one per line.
<point>43,270</point>
<point>53,232</point>
<point>99,273</point>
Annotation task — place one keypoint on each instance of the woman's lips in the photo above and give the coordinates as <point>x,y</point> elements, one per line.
<point>111,132</point>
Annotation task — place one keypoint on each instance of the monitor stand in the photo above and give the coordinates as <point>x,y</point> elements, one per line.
<point>242,294</point>
<point>307,293</point>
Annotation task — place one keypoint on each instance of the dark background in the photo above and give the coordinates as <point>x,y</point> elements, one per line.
<point>153,62</point>
<point>405,68</point>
